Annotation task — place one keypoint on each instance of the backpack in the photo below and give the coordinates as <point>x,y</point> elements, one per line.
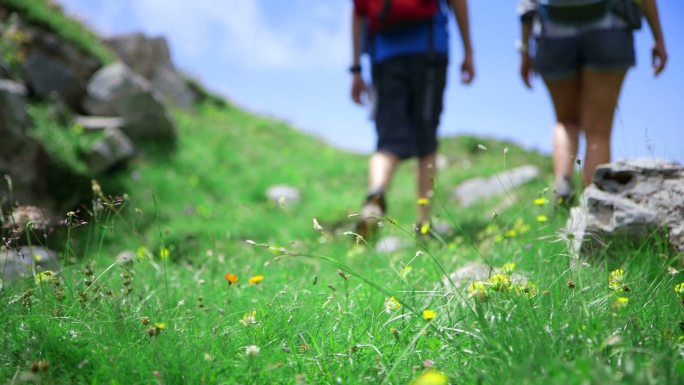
<point>385,15</point>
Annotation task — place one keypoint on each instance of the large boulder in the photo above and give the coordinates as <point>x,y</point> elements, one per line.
<point>54,66</point>
<point>150,58</point>
<point>115,90</point>
<point>48,75</point>
<point>628,201</point>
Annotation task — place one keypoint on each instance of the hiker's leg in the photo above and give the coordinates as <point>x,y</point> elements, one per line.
<point>381,167</point>
<point>426,181</point>
<point>565,94</point>
<point>600,92</point>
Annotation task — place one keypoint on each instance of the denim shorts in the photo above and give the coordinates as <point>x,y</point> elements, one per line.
<point>559,58</point>
<point>409,91</point>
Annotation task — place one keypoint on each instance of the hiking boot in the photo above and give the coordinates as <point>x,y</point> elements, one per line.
<point>565,192</point>
<point>373,209</point>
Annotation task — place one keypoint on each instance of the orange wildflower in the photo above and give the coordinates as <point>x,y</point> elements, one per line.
<point>231,278</point>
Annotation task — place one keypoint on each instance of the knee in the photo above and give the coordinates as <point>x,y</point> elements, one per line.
<point>571,125</point>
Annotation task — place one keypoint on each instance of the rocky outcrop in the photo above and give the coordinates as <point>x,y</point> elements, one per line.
<point>628,201</point>
<point>115,90</point>
<point>150,58</point>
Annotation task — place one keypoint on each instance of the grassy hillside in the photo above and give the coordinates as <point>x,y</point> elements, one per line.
<point>315,306</point>
<point>48,14</point>
<point>321,313</point>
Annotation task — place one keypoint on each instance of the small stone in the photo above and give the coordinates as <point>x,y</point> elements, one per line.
<point>283,195</point>
<point>477,189</point>
<point>391,244</point>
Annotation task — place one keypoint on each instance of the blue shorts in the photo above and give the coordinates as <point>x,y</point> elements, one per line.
<point>559,58</point>
<point>409,91</point>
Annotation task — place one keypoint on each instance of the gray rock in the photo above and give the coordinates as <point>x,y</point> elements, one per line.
<point>22,216</point>
<point>13,116</point>
<point>283,194</point>
<point>173,87</point>
<point>140,53</point>
<point>628,200</point>
<point>116,91</point>
<point>442,227</point>
<point>125,258</point>
<point>99,123</point>
<point>477,189</point>
<point>5,70</point>
<point>113,149</point>
<point>26,225</point>
<point>150,58</point>
<point>20,263</point>
<point>53,65</point>
<point>477,271</point>
<point>46,75</point>
<point>391,244</point>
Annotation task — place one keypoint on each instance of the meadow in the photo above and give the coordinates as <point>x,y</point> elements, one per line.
<point>179,270</point>
<point>222,286</point>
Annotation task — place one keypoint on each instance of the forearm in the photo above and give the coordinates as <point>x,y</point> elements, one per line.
<point>461,12</point>
<point>651,12</point>
<point>357,31</point>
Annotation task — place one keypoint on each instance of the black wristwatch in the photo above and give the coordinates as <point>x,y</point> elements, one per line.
<point>355,69</point>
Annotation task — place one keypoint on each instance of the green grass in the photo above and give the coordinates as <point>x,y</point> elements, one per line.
<point>202,203</point>
<point>50,16</point>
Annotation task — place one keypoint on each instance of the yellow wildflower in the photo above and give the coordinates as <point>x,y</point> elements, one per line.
<point>499,282</point>
<point>160,325</point>
<point>249,318</point>
<point>392,304</point>
<point>541,201</point>
<point>528,290</point>
<point>508,268</point>
<point>431,377</point>
<point>620,302</point>
<point>478,289</point>
<point>542,218</point>
<point>616,279</point>
<point>679,289</point>
<point>47,276</point>
<point>164,253</point>
<point>405,271</point>
<point>143,253</point>
<point>423,201</point>
<point>425,228</point>
<point>512,233</point>
<point>256,279</point>
<point>429,315</point>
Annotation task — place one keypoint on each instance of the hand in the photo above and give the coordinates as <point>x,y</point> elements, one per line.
<point>467,68</point>
<point>526,69</point>
<point>659,57</point>
<point>359,88</point>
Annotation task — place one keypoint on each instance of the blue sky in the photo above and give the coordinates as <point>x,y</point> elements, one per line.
<point>289,58</point>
